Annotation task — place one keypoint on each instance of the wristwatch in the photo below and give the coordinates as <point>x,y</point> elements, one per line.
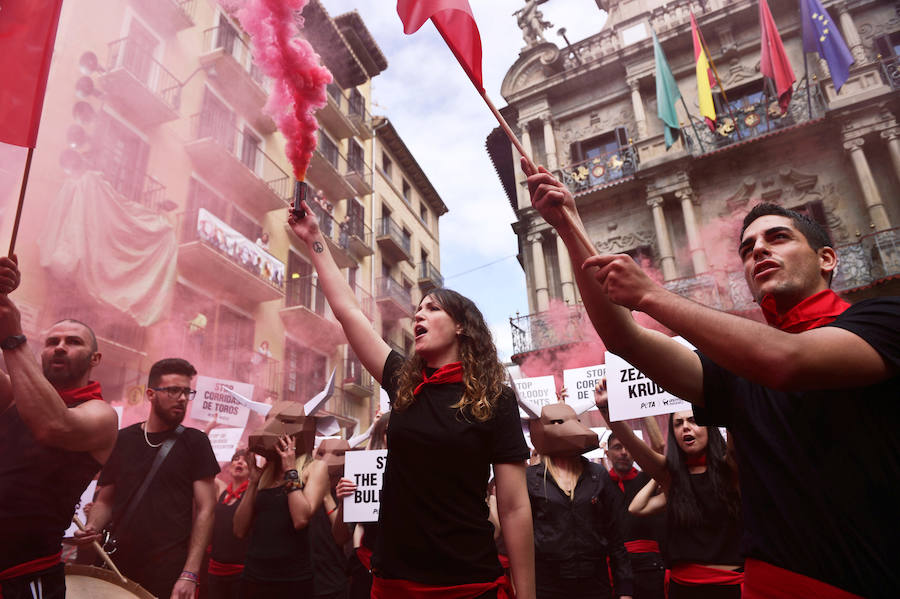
<point>13,341</point>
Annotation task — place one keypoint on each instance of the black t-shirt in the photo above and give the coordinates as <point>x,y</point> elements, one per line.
<point>277,552</point>
<point>433,523</point>
<point>649,528</point>
<point>820,470</point>
<point>226,548</point>
<point>161,524</point>
<point>328,559</point>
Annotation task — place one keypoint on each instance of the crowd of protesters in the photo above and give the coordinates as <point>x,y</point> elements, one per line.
<point>797,503</point>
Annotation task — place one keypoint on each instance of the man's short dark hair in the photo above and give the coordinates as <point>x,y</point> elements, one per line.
<point>816,236</point>
<point>92,338</point>
<point>609,440</point>
<point>170,366</point>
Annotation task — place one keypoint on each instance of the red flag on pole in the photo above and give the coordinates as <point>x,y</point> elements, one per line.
<point>27,33</point>
<point>454,21</point>
<point>774,62</point>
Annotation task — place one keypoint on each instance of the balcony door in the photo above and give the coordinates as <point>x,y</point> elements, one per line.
<point>137,57</point>
<point>304,372</point>
<point>357,213</point>
<point>234,342</point>
<point>216,121</point>
<point>123,158</point>
<point>299,282</point>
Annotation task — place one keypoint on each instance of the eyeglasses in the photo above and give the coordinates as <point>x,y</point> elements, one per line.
<point>177,391</point>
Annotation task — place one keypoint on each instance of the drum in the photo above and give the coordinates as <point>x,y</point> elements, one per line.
<point>91,582</point>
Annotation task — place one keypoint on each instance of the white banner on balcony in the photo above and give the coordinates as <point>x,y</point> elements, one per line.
<point>366,469</point>
<point>580,383</point>
<point>213,398</point>
<point>239,249</point>
<point>536,392</point>
<point>224,442</point>
<point>118,252</point>
<point>633,395</point>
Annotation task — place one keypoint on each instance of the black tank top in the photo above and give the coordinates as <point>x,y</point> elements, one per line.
<point>227,548</point>
<point>277,551</point>
<point>39,489</point>
<point>715,540</point>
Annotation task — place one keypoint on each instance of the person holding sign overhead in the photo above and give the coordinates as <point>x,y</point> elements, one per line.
<point>452,419</point>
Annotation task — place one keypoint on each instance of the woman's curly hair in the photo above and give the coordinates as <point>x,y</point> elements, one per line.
<point>483,374</point>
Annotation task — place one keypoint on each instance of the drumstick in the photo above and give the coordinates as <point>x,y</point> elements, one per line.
<point>100,550</point>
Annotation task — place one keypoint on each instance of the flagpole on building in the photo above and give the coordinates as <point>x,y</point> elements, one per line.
<point>15,231</point>
<point>693,125</point>
<point>718,80</point>
<point>806,78</point>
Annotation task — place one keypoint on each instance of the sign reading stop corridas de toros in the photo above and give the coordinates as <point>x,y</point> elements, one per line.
<point>580,382</point>
<point>212,398</point>
<point>366,470</point>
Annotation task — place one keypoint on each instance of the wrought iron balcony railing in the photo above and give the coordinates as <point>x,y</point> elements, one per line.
<point>873,258</point>
<point>305,292</point>
<point>330,228</point>
<point>132,183</point>
<point>137,59</point>
<point>543,330</point>
<point>388,288</point>
<point>601,170</point>
<point>429,272</point>
<point>753,120</point>
<point>890,70</point>
<point>388,228</point>
<point>224,36</point>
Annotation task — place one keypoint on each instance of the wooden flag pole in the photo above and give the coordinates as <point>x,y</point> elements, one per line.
<point>100,550</point>
<point>712,65</point>
<point>579,231</point>
<point>15,231</point>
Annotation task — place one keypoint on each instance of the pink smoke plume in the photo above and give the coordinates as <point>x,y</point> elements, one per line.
<point>298,78</point>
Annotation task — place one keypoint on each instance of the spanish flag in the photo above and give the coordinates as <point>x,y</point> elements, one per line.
<point>705,78</point>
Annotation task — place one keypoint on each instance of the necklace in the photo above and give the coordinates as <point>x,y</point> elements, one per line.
<point>147,439</point>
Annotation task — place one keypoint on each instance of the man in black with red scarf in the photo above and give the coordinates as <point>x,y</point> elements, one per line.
<point>55,434</point>
<point>809,399</point>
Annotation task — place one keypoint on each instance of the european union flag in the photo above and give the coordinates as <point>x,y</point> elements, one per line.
<point>821,35</point>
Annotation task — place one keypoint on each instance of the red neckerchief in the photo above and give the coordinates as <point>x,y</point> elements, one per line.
<point>632,474</point>
<point>815,311</point>
<point>231,493</point>
<point>448,373</point>
<point>696,460</point>
<point>89,391</point>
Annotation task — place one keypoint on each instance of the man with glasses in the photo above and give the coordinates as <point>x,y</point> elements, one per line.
<point>159,542</point>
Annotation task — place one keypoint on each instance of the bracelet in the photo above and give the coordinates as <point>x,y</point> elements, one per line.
<point>189,576</point>
<point>331,511</point>
<point>293,485</point>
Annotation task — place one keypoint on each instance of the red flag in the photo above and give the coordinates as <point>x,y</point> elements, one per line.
<point>774,62</point>
<point>454,21</point>
<point>27,33</point>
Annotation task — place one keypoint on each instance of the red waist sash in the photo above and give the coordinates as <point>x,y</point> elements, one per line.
<point>765,581</point>
<point>32,567</point>
<point>642,546</point>
<point>223,569</point>
<point>697,574</point>
<point>395,588</point>
<point>365,556</point>
<point>504,561</point>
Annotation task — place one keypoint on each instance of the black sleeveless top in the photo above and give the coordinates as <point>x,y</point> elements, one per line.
<point>39,489</point>
<point>715,540</point>
<point>277,552</point>
<point>226,548</point>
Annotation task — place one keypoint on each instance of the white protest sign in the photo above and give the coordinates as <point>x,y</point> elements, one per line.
<point>536,392</point>
<point>213,398</point>
<point>633,395</point>
<point>120,413</point>
<point>580,383</point>
<point>366,469</point>
<point>224,442</point>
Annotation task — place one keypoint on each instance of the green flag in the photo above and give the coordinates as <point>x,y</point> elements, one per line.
<point>667,93</point>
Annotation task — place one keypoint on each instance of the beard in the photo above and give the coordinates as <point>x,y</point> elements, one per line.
<point>167,417</point>
<point>71,375</point>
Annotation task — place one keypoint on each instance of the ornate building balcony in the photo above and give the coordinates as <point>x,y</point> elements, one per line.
<point>333,116</point>
<point>360,238</point>
<point>336,235</point>
<point>395,243</point>
<point>307,316</point>
<point>394,300</point>
<point>875,258</point>
<point>232,161</point>
<point>224,262</point>
<point>890,71</point>
<point>133,184</point>
<point>138,86</point>
<point>545,330</point>
<point>752,118</point>
<point>429,277</point>
<point>327,168</point>
<point>360,116</point>
<point>167,16</point>
<point>600,171</point>
<point>359,175</point>
<point>231,69</point>
<point>357,381</point>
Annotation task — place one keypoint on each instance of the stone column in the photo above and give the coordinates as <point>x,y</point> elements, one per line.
<point>566,276</point>
<point>871,196</point>
<point>526,138</point>
<point>666,255</point>
<point>541,293</point>
<point>522,190</point>
<point>637,102</point>
<point>695,243</point>
<point>851,34</point>
<point>550,143</point>
<point>892,138</point>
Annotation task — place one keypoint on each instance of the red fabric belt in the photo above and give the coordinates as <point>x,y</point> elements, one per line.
<point>697,574</point>
<point>365,556</point>
<point>642,546</point>
<point>220,569</point>
<point>395,588</point>
<point>32,567</point>
<point>765,581</point>
<point>504,561</point>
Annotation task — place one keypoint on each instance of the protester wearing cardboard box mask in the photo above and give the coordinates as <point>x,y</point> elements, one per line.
<point>577,513</point>
<point>327,532</point>
<point>278,504</point>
